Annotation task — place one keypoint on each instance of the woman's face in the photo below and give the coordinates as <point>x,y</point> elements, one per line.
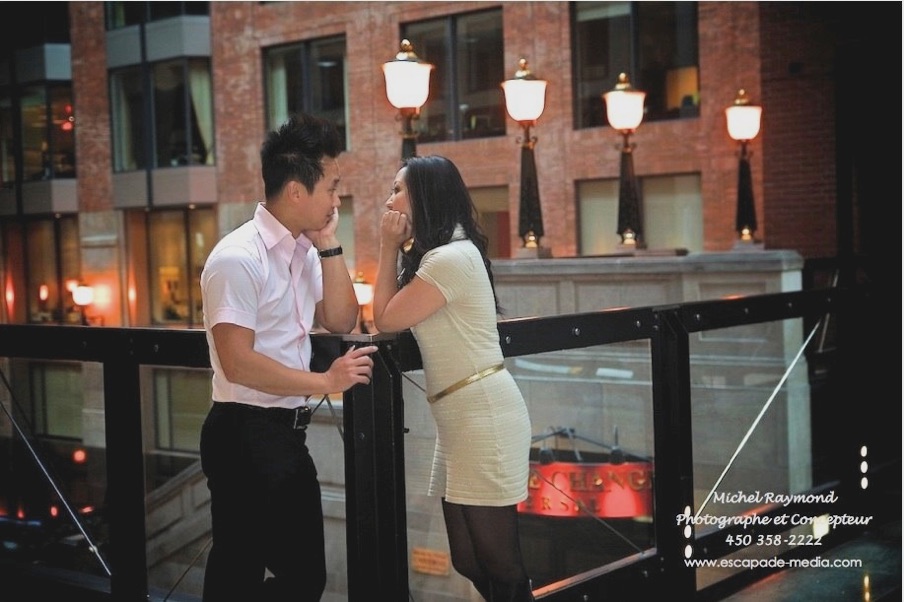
<point>398,195</point>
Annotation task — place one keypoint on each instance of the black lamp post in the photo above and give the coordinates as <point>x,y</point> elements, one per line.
<point>407,87</point>
<point>624,108</point>
<point>743,121</point>
<point>525,99</point>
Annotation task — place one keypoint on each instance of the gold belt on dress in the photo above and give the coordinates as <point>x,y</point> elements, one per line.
<point>465,382</point>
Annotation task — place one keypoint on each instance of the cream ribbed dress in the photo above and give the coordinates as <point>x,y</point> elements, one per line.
<point>483,431</point>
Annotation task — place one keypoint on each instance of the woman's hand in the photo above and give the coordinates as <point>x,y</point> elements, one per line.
<point>395,229</point>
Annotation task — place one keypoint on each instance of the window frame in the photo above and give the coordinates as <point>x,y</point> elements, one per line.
<point>677,76</point>
<point>146,141</point>
<point>446,97</point>
<point>671,219</point>
<point>120,14</point>
<point>310,81</point>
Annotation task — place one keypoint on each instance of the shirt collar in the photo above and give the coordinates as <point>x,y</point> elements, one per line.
<point>273,232</point>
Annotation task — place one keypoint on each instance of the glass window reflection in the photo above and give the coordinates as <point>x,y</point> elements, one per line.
<point>465,99</point>
<point>308,77</point>
<point>655,43</point>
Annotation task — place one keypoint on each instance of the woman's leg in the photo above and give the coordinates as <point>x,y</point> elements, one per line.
<point>484,541</point>
<point>462,549</point>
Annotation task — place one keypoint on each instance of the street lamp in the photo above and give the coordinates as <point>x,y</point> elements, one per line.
<point>624,108</point>
<point>743,125</point>
<point>525,98</point>
<point>83,296</point>
<point>407,86</point>
<point>364,292</point>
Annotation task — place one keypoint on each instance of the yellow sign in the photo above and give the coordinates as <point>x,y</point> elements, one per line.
<point>429,562</point>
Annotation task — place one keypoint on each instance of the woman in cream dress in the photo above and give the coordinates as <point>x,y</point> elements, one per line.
<point>445,295</point>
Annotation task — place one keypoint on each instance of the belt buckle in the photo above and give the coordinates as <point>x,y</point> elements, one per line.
<point>302,418</point>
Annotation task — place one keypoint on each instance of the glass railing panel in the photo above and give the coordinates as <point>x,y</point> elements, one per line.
<point>53,469</point>
<point>175,402</point>
<point>752,440</point>
<point>590,489</point>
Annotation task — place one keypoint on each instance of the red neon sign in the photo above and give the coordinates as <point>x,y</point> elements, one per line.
<point>572,489</point>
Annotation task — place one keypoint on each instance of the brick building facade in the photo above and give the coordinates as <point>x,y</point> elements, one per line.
<point>796,59</point>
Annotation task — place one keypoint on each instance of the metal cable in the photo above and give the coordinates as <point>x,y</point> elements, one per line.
<point>91,545</point>
<point>757,419</point>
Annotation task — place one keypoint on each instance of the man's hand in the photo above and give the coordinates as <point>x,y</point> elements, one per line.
<point>355,367</point>
<point>325,238</point>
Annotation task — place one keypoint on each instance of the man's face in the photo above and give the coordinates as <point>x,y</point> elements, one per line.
<point>322,203</point>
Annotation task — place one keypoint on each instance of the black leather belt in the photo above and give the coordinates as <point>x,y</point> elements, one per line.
<point>298,418</point>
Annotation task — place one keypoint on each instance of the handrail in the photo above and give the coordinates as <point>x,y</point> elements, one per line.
<point>373,416</point>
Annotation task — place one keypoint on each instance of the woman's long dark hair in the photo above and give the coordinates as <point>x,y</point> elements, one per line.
<point>439,202</point>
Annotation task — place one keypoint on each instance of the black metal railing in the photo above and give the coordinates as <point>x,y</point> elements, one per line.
<point>375,430</point>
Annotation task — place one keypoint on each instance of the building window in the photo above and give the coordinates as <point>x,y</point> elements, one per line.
<point>40,267</point>
<point>655,43</point>
<point>180,107</point>
<point>345,231</point>
<point>52,260</point>
<point>57,398</point>
<point>126,94</point>
<point>672,214</point>
<point>494,219</point>
<point>465,98</point>
<point>183,112</point>
<point>7,140</point>
<point>181,401</point>
<point>167,250</point>
<point>310,77</point>
<point>125,13</point>
<point>12,271</point>
<point>48,132</point>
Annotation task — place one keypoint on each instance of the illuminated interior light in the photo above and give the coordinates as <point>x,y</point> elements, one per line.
<point>10,295</point>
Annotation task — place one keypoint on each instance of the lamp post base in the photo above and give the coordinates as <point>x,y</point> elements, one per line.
<point>630,247</point>
<point>533,253</point>
<point>747,245</point>
<point>631,251</point>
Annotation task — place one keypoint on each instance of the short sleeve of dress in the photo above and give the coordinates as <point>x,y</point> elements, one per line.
<point>450,268</point>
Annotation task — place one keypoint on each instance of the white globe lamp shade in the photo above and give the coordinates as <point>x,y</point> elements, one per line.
<point>743,118</point>
<point>83,295</point>
<point>525,99</point>
<point>407,79</point>
<point>624,105</point>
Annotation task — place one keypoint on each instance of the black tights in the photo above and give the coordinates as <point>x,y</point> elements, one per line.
<point>485,548</point>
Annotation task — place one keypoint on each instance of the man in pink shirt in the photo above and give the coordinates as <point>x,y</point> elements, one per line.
<point>264,287</point>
